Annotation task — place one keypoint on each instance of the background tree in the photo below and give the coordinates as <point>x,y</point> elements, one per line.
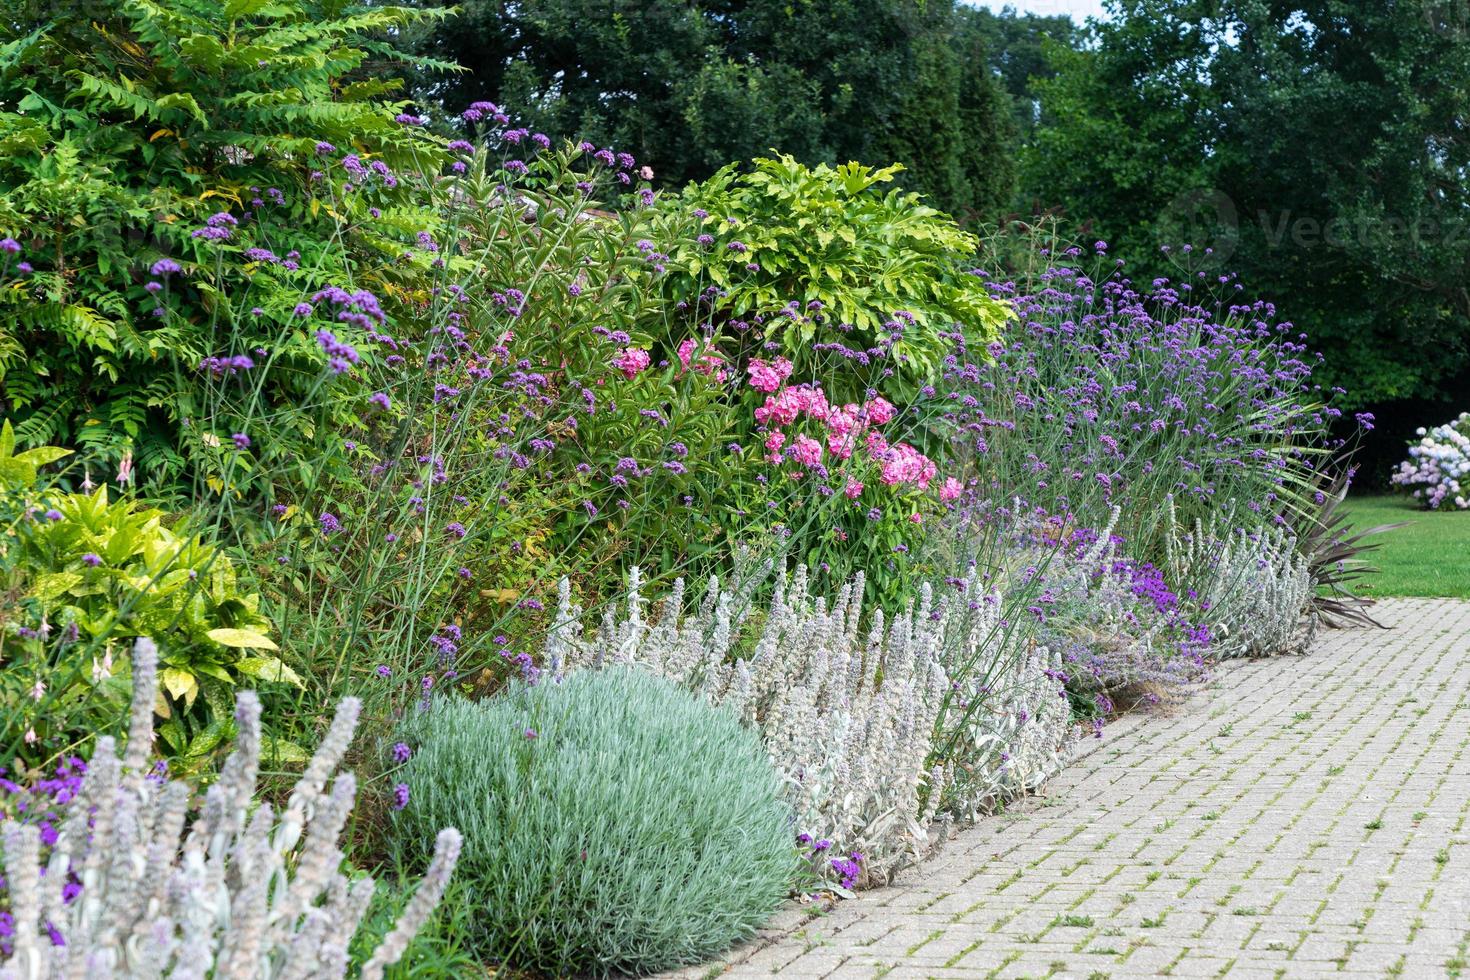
<point>1013,45</point>
<point>688,87</point>
<point>1318,145</point>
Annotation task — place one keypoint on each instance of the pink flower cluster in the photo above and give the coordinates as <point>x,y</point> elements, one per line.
<point>631,361</point>
<point>899,463</point>
<point>768,377</point>
<point>710,364</point>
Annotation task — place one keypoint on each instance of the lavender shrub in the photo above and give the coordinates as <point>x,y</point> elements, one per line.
<point>1108,394</point>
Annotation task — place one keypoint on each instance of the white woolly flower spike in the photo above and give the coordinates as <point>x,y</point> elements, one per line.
<point>238,898</point>
<point>848,717</point>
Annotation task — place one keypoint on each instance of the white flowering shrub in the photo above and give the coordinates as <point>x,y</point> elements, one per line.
<point>247,893</point>
<point>1253,588</point>
<point>849,712</point>
<point>1438,467</point>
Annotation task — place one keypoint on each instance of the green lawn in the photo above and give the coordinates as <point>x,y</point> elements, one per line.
<point>1430,557</point>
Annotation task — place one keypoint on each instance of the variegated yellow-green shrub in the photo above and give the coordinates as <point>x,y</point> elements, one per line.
<point>86,572</point>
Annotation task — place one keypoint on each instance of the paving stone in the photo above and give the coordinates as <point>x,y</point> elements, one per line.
<point>1327,832</point>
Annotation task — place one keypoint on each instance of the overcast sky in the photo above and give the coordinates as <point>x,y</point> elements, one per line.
<point>1078,9</point>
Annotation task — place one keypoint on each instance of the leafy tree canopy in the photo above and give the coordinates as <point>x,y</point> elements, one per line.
<point>1316,145</point>
<point>687,87</point>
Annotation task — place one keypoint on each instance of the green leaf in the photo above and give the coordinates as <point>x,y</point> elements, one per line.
<point>244,8</point>
<point>202,51</point>
<point>245,639</point>
<point>41,455</point>
<point>52,585</point>
<point>277,750</point>
<point>15,472</point>
<point>185,101</point>
<point>180,684</point>
<point>268,669</point>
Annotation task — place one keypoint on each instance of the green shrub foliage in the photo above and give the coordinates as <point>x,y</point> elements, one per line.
<point>785,241</point>
<point>132,132</point>
<point>612,822</point>
<point>83,574</point>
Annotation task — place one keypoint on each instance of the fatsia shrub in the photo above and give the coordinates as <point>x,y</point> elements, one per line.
<point>126,886</point>
<point>613,823</point>
<point>150,146</point>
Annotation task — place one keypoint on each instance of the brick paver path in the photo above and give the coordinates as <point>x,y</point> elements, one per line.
<point>1303,817</point>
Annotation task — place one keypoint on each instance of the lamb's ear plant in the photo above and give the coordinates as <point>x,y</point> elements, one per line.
<point>1254,588</point>
<point>246,892</point>
<point>851,708</point>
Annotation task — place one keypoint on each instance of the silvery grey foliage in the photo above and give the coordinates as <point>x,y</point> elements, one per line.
<point>243,894</point>
<point>847,711</point>
<point>1258,587</point>
<point>1007,726</point>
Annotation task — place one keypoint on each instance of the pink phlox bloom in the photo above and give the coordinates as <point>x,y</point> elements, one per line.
<point>710,364</point>
<point>631,361</point>
<point>806,451</point>
<point>880,410</point>
<point>768,377</point>
<point>905,464</point>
